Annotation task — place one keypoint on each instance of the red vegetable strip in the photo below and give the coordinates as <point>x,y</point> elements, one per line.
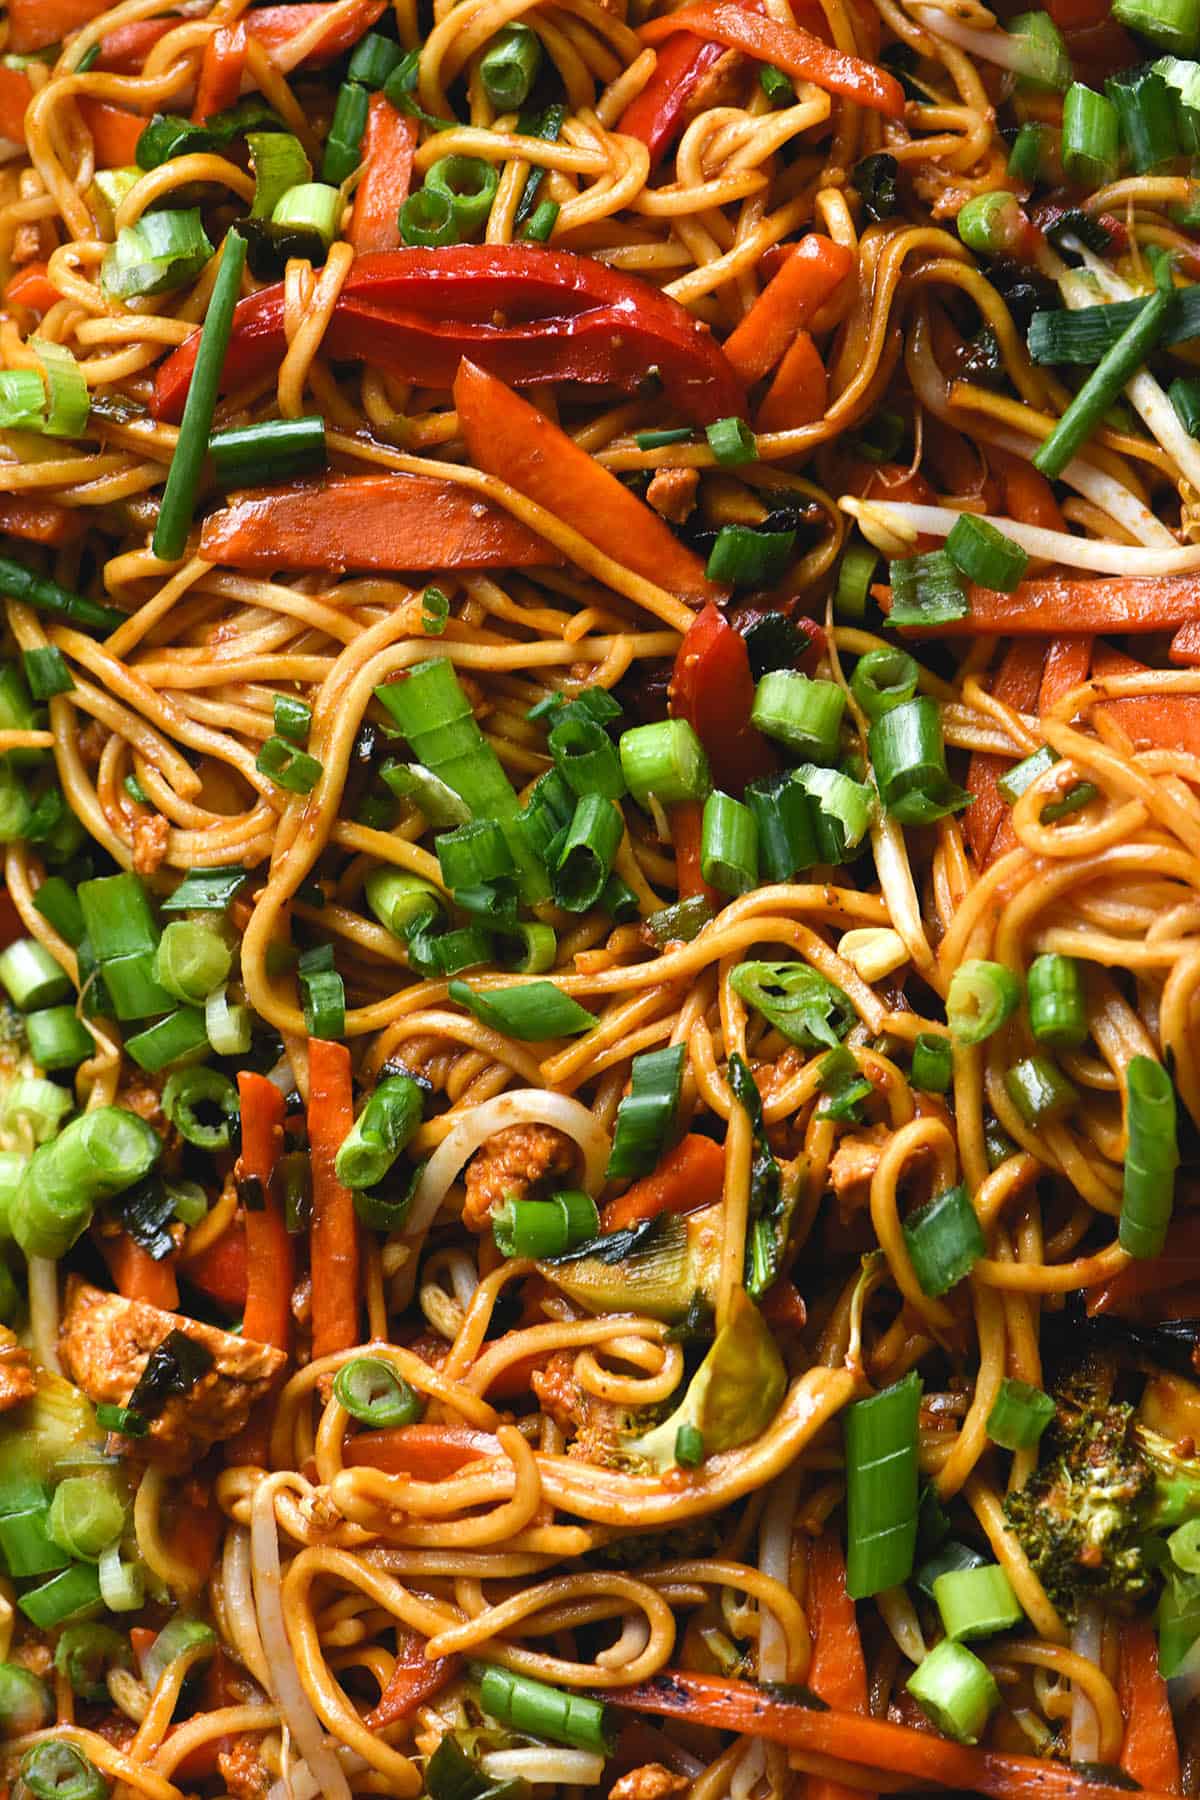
<point>221,70</point>
<point>1178,1266</point>
<point>712,687</point>
<point>39,521</point>
<point>12,926</point>
<point>837,1673</point>
<point>872,1743</point>
<point>1150,1752</point>
<point>685,821</point>
<point>28,286</point>
<point>1028,496</point>
<point>508,437</point>
<point>268,1316</point>
<point>414,1681</point>
<point>1055,604</point>
<point>334,1235</point>
<point>1068,660</point>
<point>1185,645</point>
<point>115,131</point>
<point>278,27</point>
<point>137,1275</point>
<point>789,48</point>
<point>657,115</point>
<point>1159,721</point>
<point>690,1176</point>
<point>384,522</point>
<point>427,1452</point>
<point>36,24</point>
<point>220,1270</point>
<point>388,146</point>
<point>984,821</point>
<point>124,49</point>
<point>788,302</point>
<point>799,392</point>
<point>15,95</point>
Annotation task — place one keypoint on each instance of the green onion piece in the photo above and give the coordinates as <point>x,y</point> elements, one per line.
<point>72,1595</point>
<point>984,554</point>
<point>474,853</point>
<point>56,902</point>
<point>585,858</point>
<point>343,146</point>
<point>94,1158</point>
<point>85,1516</point>
<point>542,1228</point>
<point>374,1393</point>
<point>47,673</point>
<point>992,224</point>
<point>805,715</point>
<point>1020,1413</point>
<point>1175,24</point>
<point>117,916</point>
<point>540,1711</point>
<point>452,952</point>
<point>380,1132</point>
<point>67,402</point>
<point>313,206</point>
<point>404,904</point>
<point>932,1063</point>
<point>291,769</point>
<point>323,994</point>
<point>1046,65</point>
<point>796,1000</point>
<point>427,792</point>
<point>1102,387</point>
<point>26,1702</point>
<point>855,574</point>
<point>1057,1004</point>
<point>31,977</point>
<point>22,400</point>
<point>1184,395</point>
<point>548,126</point>
<point>530,1013</point>
<point>647,1114</point>
<point>954,1689</point>
<point>57,1039</point>
<point>530,949</point>
<point>944,1561</point>
<point>658,440</point>
<point>27,1545</point>
<point>1085,335</point>
<point>976,1603</point>
<point>844,1085</point>
<point>539,227</point>
<point>944,1241</point>
<point>172,1040</point>
<point>374,58</point>
<point>1090,148</point>
<point>279,164</point>
<point>427,220</point>
<point>19,583</point>
<point>664,761</point>
<point>881,1488</point>
<point>207,890</point>
<point>191,959</point>
<point>1142,101</point>
<point>275,450</point>
<point>293,717</point>
<point>681,923</point>
<point>190,1089</point>
<point>926,591</point>
<point>689,1440</point>
<point>909,759</point>
<point>746,557</point>
<point>435,611</point>
<point>1028,153</point>
<point>1152,1157</point>
<point>879,438</point>
<point>162,252</point>
<point>1039,1091</point>
<point>982,997</point>
<point>883,679</point>
<point>38,1104</point>
<point>84,1654</point>
<point>183,476</point>
<point>509,67</point>
<point>786,821</point>
<point>124,1420</point>
<point>174,1640</point>
<point>586,755</point>
<point>728,845</point>
<point>56,1770</point>
<point>732,442</point>
<point>469,184</point>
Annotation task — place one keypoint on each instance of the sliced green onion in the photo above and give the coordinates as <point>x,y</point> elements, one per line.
<point>932,1063</point>
<point>191,959</point>
<point>469,184</point>
<point>22,400</point>
<point>1020,1413</point>
<point>546,125</point>
<point>883,679</point>
<point>984,554</point>
<point>798,1001</point>
<point>855,575</point>
<point>188,1090</point>
<point>47,673</point>
<point>992,224</point>
<point>175,1039</point>
<point>39,1105</point>
<point>175,1639</point>
<point>664,761</point>
<point>313,206</point>
<point>689,1443</point>
<point>183,476</point>
<point>658,440</point>
<point>427,792</point>
<point>787,832</point>
<point>844,1085</point>
<point>207,890</point>
<point>646,1116</point>
<point>545,1228</point>
<point>117,916</point>
<point>374,58</point>
<point>162,252</point>
<point>374,1393</point>
<point>585,858</point>
<point>681,923</point>
<point>530,1013</point>
<point>27,1544</point>
<point>732,442</point>
<point>540,1711</point>
<point>323,994</point>
<point>509,67</point>
<point>746,557</point>
<point>1039,1091</point>
<point>427,220</point>
<point>1151,1159</point>
<point>57,1039</point>
<point>1175,24</point>
<point>728,845</point>
<point>291,769</point>
<point>31,977</point>
<point>56,1770</point>
<point>976,1603</point>
<point>452,952</point>
<point>380,1132</point>
<point>1045,67</point>
<point>435,611</point>
<point>26,1702</point>
<point>74,1594</point>
<point>1102,387</point>
<point>19,583</point>
<point>539,227</point>
<point>404,904</point>
<point>1057,1004</point>
<point>1142,101</point>
<point>586,755</point>
<point>1028,154</point>
<point>274,450</point>
<point>955,1690</point>
<point>84,1654</point>
<point>85,1516</point>
<point>1184,395</point>
<point>881,1488</point>
<point>530,949</point>
<point>1090,134</point>
<point>473,853</point>
<point>68,403</point>
<point>804,714</point>
<point>982,997</point>
<point>343,146</point>
<point>944,1561</point>
<point>944,1240</point>
<point>909,759</point>
<point>926,591</point>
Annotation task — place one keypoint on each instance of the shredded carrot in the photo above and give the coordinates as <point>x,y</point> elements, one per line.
<point>277,27</point>
<point>987,821</point>
<point>799,392</point>
<point>1157,721</point>
<point>1028,496</point>
<point>194,1536</point>
<point>685,821</point>
<point>1068,660</point>
<point>413,1682</point>
<point>688,1177</point>
<point>220,1270</point>
<point>837,1673</point>
<point>124,49</point>
<point>138,1276</point>
<point>39,521</point>
<point>1150,1752</point>
<point>268,1313</point>
<point>804,283</point>
<point>427,1452</point>
<point>221,70</point>
<point>388,147</point>
<point>334,1235</point>
<point>1056,604</point>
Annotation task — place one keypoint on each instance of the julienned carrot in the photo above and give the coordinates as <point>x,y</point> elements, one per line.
<point>1150,1752</point>
<point>870,1743</point>
<point>685,822</point>
<point>688,1177</point>
<point>1068,660</point>
<point>194,1536</point>
<point>15,95</point>
<point>1057,603</point>
<point>334,1235</point>
<point>39,521</point>
<point>837,1673</point>
<point>1185,645</point>
<point>220,1270</point>
<point>370,522</point>
<point>799,391</point>
<point>138,1276</point>
<point>1017,681</point>
<point>414,1680</point>
<point>36,24</point>
<point>1160,721</point>
<point>787,47</point>
<point>426,1452</point>
<point>508,437</point>
<point>268,1315</point>
<point>807,279</point>
<point>221,69</point>
<point>388,146</point>
<point>1028,496</point>
<point>279,29</point>
<point>115,131</point>
<point>1178,1266</point>
<point>124,49</point>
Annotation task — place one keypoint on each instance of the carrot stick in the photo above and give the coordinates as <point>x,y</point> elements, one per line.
<point>370,522</point>
<point>221,70</point>
<point>872,1743</point>
<point>989,813</point>
<point>36,24</point>
<point>807,279</point>
<point>414,1680</point>
<point>278,27</point>
<point>789,48</point>
<point>427,1452</point>
<point>1185,645</point>
<point>334,1236</point>
<point>508,437</point>
<point>388,146</point>
<point>15,95</point>
<point>39,521</point>
<point>138,1276</point>
<point>1057,603</point>
<point>124,49</point>
<point>799,393</point>
<point>1178,1266</point>
<point>688,1177</point>
<point>115,131</point>
<point>1160,721</point>
<point>837,1673</point>
<point>1150,1752</point>
<point>1028,496</point>
<point>1068,660</point>
<point>194,1537</point>
<point>686,819</point>
<point>220,1270</point>
<point>268,1315</point>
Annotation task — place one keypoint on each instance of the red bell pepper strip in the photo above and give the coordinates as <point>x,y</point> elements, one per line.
<point>115,131</point>
<point>12,926</point>
<point>221,70</point>
<point>268,1316</point>
<point>414,1681</point>
<point>799,391</point>
<point>416,313</point>
<point>29,286</point>
<point>124,49</point>
<point>138,1275</point>
<point>36,24</point>
<point>426,1452</point>
<point>712,687</point>
<point>388,145</point>
<point>657,115</point>
<point>508,437</point>
<point>837,1673</point>
<point>787,47</point>
<point>1150,1752</point>
<point>1178,1266</point>
<point>782,1306</point>
<point>334,1235</point>
<point>686,821</point>
<point>788,302</point>
<point>987,821</point>
<point>690,1176</point>
<point>369,522</point>
<point>220,1270</point>
<point>15,95</point>
<point>40,521</point>
<point>277,27</point>
<point>1057,603</point>
<point>924,1756</point>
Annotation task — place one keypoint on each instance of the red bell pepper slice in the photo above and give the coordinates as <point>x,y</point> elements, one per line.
<point>334,1251</point>
<point>15,95</point>
<point>369,522</point>
<point>1150,1751</point>
<point>417,313</point>
<point>712,687</point>
<point>221,70</point>
<point>40,521</point>
<point>115,131</point>
<point>413,1682</point>
<point>787,47</point>
<point>124,49</point>
<point>220,1269</point>
<point>657,114</point>
<point>388,146</point>
<point>36,24</point>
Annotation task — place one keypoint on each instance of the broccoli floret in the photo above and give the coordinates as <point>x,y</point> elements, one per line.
<point>1176,1495</point>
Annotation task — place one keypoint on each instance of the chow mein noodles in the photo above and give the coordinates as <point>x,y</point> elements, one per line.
<point>600,801</point>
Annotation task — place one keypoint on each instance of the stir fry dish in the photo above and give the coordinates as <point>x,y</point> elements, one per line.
<point>600,934</point>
